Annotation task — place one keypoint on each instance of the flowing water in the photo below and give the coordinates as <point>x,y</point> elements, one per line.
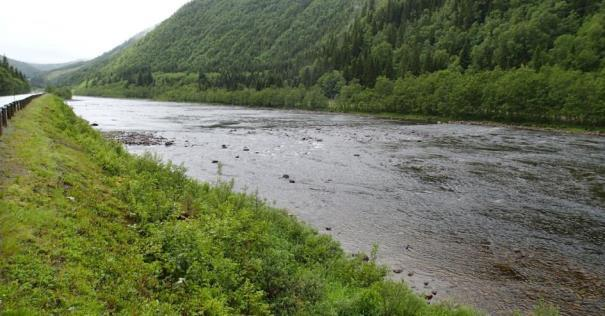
<point>494,217</point>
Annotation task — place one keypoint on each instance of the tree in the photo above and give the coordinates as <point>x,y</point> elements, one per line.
<point>331,83</point>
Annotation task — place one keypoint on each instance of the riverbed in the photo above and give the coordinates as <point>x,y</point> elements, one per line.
<point>494,217</point>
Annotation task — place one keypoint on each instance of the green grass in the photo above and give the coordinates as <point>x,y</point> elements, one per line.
<point>86,228</point>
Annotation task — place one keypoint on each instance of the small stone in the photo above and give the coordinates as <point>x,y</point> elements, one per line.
<point>224,146</point>
<point>94,124</point>
<point>292,181</point>
<point>246,149</point>
<point>411,274</point>
<point>365,258</point>
<point>169,143</point>
<point>434,292</point>
<point>329,229</point>
<point>397,271</point>
<point>426,283</point>
<point>215,161</point>
<point>285,176</point>
<point>71,198</point>
<point>236,157</point>
<point>429,297</point>
<point>357,155</point>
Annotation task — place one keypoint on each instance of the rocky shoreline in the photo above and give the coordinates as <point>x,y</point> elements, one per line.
<point>138,138</point>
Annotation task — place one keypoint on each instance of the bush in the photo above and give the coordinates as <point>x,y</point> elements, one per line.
<point>62,92</point>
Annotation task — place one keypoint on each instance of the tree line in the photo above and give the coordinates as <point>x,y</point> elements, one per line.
<point>12,81</point>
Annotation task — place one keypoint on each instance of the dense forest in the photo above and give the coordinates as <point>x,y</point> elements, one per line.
<point>12,81</point>
<point>505,60</point>
<point>521,61</point>
<point>233,44</point>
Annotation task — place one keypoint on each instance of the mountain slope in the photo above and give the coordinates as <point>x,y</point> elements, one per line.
<point>238,37</point>
<point>33,70</point>
<point>214,34</point>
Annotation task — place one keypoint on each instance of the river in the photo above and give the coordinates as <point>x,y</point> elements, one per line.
<point>497,218</point>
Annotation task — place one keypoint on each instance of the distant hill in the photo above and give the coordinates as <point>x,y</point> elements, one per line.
<point>77,72</point>
<point>31,70</point>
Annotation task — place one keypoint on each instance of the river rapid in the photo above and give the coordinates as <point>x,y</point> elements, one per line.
<point>497,218</point>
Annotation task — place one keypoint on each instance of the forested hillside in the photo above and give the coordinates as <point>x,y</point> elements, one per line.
<point>509,60</point>
<point>242,42</point>
<point>535,61</point>
<point>12,81</point>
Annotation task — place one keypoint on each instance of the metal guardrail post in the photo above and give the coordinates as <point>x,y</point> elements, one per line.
<point>4,117</point>
<point>8,111</point>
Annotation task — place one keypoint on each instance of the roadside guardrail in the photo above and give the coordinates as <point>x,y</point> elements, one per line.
<point>10,105</point>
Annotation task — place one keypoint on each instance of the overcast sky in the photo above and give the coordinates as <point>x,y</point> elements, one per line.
<point>53,31</point>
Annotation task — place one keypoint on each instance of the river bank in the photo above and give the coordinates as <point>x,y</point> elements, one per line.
<point>83,232</point>
<point>530,199</point>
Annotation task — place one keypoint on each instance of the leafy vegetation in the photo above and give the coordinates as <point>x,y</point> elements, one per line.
<point>12,81</point>
<point>87,228</point>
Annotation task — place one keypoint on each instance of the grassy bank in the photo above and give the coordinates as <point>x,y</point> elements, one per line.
<point>89,229</point>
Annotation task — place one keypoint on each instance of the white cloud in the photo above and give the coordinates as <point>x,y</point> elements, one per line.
<point>46,31</point>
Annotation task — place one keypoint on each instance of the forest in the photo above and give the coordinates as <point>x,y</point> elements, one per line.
<point>500,60</point>
<point>12,81</point>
